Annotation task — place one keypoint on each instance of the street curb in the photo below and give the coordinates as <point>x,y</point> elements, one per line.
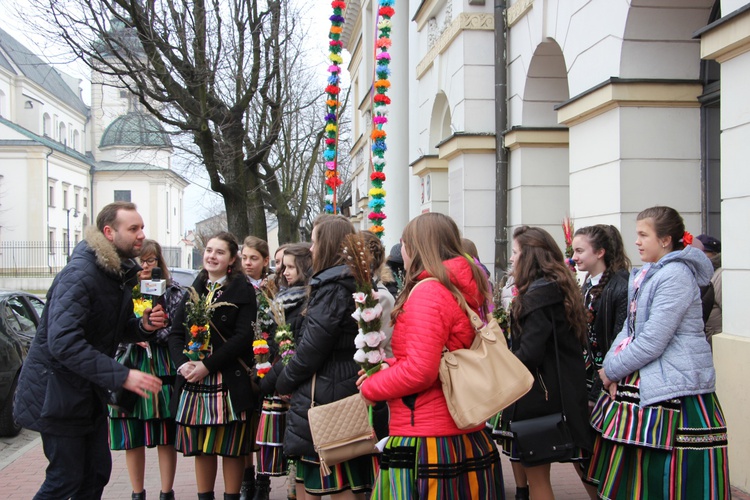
<point>18,454</point>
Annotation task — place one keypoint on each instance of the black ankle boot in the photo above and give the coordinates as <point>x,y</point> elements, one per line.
<point>522,493</point>
<point>262,487</point>
<point>206,496</point>
<point>247,490</point>
<point>166,496</point>
<point>138,496</point>
<point>231,496</point>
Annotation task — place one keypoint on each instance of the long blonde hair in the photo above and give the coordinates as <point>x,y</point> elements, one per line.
<point>430,239</point>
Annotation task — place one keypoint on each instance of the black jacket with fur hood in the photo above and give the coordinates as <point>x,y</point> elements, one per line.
<point>64,382</point>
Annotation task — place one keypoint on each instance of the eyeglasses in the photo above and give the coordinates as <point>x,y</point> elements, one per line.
<point>150,262</point>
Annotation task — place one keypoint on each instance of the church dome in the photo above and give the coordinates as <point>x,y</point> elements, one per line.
<point>135,130</point>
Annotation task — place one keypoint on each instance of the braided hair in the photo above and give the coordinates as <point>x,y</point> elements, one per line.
<point>599,238</point>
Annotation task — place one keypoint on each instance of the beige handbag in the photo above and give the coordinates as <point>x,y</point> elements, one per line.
<point>340,430</point>
<point>484,379</point>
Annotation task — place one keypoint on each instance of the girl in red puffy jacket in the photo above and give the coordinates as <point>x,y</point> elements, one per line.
<point>427,455</point>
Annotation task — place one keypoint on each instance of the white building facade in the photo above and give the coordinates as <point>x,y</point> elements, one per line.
<point>612,106</point>
<point>61,161</point>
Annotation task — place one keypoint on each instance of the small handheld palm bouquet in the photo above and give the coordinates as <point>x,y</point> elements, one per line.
<point>370,339</point>
<point>198,314</point>
<point>284,337</point>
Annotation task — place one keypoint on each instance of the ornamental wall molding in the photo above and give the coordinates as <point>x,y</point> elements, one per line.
<point>464,22</point>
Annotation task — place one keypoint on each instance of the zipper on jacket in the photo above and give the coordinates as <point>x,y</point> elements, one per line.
<point>541,383</point>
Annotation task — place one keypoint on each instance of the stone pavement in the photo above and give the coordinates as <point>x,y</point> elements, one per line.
<point>22,465</point>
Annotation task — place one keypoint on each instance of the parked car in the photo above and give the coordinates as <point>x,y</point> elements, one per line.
<point>19,316</point>
<point>184,277</point>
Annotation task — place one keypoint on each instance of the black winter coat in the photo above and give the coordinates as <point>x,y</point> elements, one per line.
<point>611,310</point>
<point>533,344</point>
<point>64,383</point>
<point>326,348</point>
<point>236,325</point>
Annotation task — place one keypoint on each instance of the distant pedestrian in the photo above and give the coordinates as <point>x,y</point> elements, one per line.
<point>671,440</point>
<point>712,248</point>
<point>64,383</point>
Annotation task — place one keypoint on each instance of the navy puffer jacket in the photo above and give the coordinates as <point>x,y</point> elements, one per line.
<point>64,383</point>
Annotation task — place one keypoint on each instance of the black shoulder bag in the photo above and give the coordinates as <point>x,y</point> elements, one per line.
<point>547,439</point>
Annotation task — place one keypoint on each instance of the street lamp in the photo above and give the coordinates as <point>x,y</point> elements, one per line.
<point>67,239</point>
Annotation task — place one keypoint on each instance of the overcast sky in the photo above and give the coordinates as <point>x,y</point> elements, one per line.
<point>199,202</point>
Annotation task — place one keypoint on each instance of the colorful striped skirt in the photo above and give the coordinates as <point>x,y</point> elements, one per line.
<point>451,467</point>
<point>207,423</point>
<point>696,466</point>
<point>270,437</point>
<point>357,475</point>
<point>150,424</point>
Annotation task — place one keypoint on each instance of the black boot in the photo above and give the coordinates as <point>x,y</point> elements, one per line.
<point>522,493</point>
<point>262,487</point>
<point>138,496</point>
<point>247,490</point>
<point>231,496</point>
<point>206,496</point>
<point>166,496</point>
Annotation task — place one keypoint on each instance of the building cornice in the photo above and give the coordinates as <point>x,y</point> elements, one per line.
<point>726,38</point>
<point>536,137</point>
<point>619,92</point>
<point>515,12</point>
<point>428,163</point>
<point>464,22</point>
<point>465,143</point>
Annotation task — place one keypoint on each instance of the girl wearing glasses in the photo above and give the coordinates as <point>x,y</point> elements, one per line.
<point>150,423</point>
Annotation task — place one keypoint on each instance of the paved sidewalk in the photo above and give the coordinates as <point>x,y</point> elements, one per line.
<point>22,465</point>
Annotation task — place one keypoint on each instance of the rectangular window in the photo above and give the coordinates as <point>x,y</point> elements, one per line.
<point>51,196</point>
<point>51,240</point>
<point>76,199</point>
<point>65,199</point>
<point>123,195</point>
<point>85,202</point>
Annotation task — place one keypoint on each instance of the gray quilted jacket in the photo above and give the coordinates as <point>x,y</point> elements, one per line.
<point>63,384</point>
<point>669,347</point>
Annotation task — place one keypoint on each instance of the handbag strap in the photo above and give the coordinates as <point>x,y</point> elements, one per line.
<point>474,318</point>
<point>240,360</point>
<point>312,390</point>
<point>559,377</point>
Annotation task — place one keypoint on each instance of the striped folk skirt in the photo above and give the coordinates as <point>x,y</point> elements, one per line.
<point>357,475</point>
<point>693,465</point>
<point>150,424</point>
<point>270,437</point>
<point>451,467</point>
<point>207,423</point>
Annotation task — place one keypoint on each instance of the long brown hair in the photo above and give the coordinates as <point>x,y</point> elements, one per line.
<point>430,239</point>
<point>302,261</point>
<point>329,238</point>
<point>235,269</point>
<point>541,258</point>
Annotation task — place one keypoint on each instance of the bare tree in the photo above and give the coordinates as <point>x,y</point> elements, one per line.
<point>207,68</point>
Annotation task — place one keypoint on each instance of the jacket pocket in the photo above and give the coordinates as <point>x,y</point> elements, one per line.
<point>67,397</point>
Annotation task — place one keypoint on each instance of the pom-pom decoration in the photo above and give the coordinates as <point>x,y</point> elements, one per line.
<point>333,89</point>
<point>381,84</point>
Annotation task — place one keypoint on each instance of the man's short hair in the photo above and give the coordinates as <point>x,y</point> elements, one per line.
<point>108,215</point>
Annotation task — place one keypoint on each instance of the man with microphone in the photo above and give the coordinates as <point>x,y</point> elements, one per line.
<point>64,383</point>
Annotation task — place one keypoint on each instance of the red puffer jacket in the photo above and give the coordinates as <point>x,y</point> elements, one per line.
<point>431,319</point>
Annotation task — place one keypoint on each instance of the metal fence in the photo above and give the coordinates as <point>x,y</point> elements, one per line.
<point>39,259</point>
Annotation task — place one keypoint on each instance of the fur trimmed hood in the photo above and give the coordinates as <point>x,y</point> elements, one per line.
<point>105,252</point>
